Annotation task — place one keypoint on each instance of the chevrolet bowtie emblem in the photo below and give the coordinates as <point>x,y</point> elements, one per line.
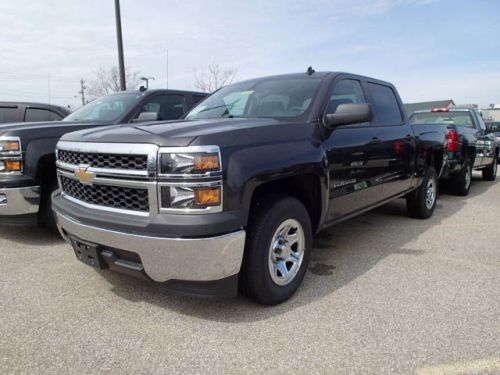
<point>83,175</point>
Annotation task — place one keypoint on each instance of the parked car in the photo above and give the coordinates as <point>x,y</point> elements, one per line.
<point>470,145</point>
<point>27,150</point>
<point>234,192</point>
<point>494,128</point>
<point>31,112</point>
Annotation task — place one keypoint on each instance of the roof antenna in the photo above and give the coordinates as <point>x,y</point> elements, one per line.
<point>310,71</point>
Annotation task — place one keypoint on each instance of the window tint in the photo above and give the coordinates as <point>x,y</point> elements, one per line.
<point>385,105</point>
<point>345,91</point>
<point>168,107</point>
<point>38,114</point>
<point>8,114</point>
<point>198,98</point>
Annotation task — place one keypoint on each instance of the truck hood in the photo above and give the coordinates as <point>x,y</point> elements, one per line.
<point>11,128</point>
<point>172,133</point>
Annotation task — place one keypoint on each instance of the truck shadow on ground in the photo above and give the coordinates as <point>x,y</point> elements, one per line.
<point>30,235</point>
<point>341,254</point>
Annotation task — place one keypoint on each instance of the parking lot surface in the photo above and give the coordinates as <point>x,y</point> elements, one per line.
<point>384,294</point>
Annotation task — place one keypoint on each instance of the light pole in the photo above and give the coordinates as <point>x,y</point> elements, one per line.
<point>146,79</point>
<point>121,63</point>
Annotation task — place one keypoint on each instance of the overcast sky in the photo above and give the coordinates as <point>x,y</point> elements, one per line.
<point>430,49</point>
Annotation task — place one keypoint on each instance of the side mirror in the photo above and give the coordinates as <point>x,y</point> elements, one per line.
<point>147,116</point>
<point>348,114</point>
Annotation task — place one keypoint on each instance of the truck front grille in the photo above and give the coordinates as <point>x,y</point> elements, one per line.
<point>101,160</point>
<point>126,198</point>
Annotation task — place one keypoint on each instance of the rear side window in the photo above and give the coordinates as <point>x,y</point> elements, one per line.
<point>168,107</point>
<point>8,114</point>
<point>385,105</point>
<point>38,114</point>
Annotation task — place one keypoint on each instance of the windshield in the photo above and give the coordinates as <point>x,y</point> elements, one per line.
<point>273,97</point>
<point>106,109</point>
<point>458,118</point>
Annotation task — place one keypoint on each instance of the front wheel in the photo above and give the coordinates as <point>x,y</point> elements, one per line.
<point>277,251</point>
<point>46,216</point>
<point>423,203</point>
<point>490,173</point>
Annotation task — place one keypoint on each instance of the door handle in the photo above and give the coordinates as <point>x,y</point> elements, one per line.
<point>375,141</point>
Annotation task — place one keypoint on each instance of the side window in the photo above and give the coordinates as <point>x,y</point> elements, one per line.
<point>197,99</point>
<point>8,114</point>
<point>345,91</point>
<point>385,105</point>
<point>168,107</point>
<point>38,114</point>
<point>480,121</point>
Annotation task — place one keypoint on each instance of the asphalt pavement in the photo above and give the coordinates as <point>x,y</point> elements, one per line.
<point>384,294</point>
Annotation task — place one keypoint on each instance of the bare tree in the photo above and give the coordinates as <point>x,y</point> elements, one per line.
<point>213,77</point>
<point>107,81</point>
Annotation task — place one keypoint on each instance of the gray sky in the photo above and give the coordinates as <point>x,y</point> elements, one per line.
<point>430,49</point>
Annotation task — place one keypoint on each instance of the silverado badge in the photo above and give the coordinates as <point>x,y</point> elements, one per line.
<point>83,175</point>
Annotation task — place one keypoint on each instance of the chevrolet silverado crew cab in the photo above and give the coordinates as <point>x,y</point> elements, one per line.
<point>27,150</point>
<point>471,145</point>
<point>232,194</point>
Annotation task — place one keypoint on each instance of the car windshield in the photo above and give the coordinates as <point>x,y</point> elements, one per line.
<point>105,109</point>
<point>459,118</point>
<point>273,97</point>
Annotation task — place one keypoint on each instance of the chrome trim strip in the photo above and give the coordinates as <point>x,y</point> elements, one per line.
<point>104,208</point>
<point>105,171</point>
<point>111,181</point>
<point>166,258</point>
<point>108,148</point>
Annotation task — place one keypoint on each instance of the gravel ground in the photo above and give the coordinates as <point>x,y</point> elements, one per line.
<point>385,294</point>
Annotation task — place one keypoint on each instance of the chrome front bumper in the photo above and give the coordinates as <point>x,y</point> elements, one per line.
<point>19,201</point>
<point>163,259</point>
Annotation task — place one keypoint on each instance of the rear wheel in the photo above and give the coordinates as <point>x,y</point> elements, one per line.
<point>490,173</point>
<point>277,252</point>
<point>460,184</point>
<point>423,203</point>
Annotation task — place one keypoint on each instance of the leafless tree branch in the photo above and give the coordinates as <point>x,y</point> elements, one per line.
<point>213,77</point>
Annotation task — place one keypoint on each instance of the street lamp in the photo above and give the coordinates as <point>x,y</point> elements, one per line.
<point>146,79</point>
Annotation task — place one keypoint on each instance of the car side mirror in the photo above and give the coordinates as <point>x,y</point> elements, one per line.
<point>349,113</point>
<point>147,116</point>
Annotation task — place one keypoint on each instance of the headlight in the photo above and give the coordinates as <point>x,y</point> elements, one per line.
<point>10,155</point>
<point>190,179</point>
<point>187,197</point>
<point>198,160</point>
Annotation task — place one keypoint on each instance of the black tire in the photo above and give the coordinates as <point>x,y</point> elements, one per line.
<point>255,277</point>
<point>490,173</point>
<point>421,205</point>
<point>46,216</point>
<point>460,184</point>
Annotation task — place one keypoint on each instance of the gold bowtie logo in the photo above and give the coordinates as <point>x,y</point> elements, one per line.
<point>83,175</point>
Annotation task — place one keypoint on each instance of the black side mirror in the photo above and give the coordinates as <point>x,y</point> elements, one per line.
<point>348,114</point>
<point>147,116</point>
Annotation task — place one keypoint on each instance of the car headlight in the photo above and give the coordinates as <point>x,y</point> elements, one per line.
<point>190,179</point>
<point>10,155</point>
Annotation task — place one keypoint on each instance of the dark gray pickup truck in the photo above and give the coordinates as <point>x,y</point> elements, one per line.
<point>232,195</point>
<point>471,145</point>
<point>27,150</point>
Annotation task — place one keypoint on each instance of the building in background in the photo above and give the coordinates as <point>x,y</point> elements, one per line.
<point>421,106</point>
<point>492,113</point>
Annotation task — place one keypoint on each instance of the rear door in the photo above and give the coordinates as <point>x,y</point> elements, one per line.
<point>350,151</point>
<point>9,113</point>
<point>396,151</point>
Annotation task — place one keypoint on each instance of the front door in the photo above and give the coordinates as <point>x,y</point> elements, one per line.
<point>352,159</point>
